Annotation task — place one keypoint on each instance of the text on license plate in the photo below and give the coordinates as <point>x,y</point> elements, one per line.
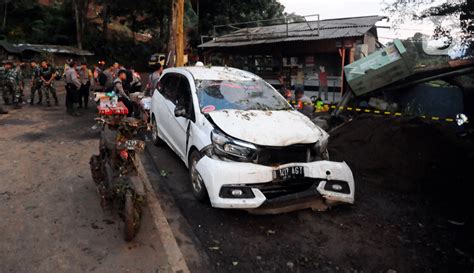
<point>288,173</point>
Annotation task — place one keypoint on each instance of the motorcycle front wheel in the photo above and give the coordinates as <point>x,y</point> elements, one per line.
<point>132,215</point>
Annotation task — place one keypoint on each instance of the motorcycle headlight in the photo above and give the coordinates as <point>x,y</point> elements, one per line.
<point>227,146</point>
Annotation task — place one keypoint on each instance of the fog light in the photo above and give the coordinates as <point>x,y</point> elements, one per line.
<point>336,187</point>
<point>237,192</point>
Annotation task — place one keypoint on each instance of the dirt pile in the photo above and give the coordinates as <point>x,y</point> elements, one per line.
<point>404,153</point>
<point>415,159</point>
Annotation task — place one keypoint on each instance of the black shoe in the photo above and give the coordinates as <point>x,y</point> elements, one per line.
<point>31,102</point>
<point>39,103</point>
<point>3,112</point>
<point>48,104</point>
<point>16,106</point>
<point>56,103</point>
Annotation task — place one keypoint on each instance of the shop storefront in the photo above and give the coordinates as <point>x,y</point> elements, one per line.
<point>309,52</point>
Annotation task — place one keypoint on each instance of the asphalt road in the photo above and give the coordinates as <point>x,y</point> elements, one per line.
<point>385,230</point>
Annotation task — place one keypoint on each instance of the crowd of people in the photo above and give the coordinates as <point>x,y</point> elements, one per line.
<point>79,80</point>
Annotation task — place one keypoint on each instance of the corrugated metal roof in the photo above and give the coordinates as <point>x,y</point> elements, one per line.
<point>55,49</point>
<point>305,31</point>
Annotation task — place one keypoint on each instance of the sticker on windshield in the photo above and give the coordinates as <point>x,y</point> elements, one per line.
<point>208,109</point>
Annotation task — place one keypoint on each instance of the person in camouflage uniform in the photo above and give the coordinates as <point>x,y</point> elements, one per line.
<point>3,88</point>
<point>21,71</point>
<point>36,83</point>
<point>47,76</point>
<point>12,82</point>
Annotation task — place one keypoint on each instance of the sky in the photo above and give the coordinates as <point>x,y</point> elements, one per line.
<point>350,8</point>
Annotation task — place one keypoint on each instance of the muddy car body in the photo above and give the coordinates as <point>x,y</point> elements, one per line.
<point>244,145</point>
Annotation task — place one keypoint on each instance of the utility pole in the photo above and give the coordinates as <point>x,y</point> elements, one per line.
<point>176,40</point>
<point>180,34</point>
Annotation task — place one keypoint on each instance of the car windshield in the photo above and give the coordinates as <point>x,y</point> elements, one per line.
<point>217,95</point>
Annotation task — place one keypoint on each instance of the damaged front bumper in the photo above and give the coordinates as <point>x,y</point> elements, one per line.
<point>247,185</point>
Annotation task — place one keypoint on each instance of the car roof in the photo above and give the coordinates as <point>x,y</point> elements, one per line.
<point>217,73</point>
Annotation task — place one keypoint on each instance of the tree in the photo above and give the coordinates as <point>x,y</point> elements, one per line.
<point>226,12</point>
<point>463,10</point>
<point>81,7</point>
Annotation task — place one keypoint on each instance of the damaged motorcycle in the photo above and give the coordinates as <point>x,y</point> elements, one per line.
<point>115,173</point>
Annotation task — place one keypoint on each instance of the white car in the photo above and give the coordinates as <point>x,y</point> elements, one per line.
<point>244,145</point>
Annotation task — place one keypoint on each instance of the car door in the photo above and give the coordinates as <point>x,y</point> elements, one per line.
<point>180,126</point>
<point>162,109</point>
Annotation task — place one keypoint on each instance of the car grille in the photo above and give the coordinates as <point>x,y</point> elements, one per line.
<point>274,190</point>
<point>282,155</point>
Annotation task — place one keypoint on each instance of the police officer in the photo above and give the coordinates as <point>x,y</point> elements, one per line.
<point>47,77</point>
<point>12,81</point>
<point>85,76</point>
<point>36,83</point>
<point>72,89</point>
<point>121,92</point>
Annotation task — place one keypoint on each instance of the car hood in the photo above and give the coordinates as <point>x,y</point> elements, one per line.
<point>268,128</point>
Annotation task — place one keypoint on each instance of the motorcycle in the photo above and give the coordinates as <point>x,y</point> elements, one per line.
<point>115,173</point>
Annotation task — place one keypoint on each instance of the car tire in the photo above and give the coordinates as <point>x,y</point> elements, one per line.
<point>154,134</point>
<point>197,185</point>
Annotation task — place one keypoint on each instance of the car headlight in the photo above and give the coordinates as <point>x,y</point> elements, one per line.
<point>227,146</point>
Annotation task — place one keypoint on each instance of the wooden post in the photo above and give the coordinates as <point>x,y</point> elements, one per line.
<point>342,52</point>
<point>180,34</point>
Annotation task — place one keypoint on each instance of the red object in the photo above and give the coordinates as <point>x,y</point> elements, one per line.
<point>120,109</point>
<point>323,79</point>
<point>124,154</point>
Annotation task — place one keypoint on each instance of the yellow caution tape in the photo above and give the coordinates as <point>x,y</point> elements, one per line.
<point>326,107</point>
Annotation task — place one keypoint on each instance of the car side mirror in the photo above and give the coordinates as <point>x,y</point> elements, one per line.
<point>180,111</point>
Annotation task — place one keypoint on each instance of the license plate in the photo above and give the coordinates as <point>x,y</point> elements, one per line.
<point>288,173</point>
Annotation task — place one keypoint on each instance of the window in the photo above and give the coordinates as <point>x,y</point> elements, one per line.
<point>169,86</point>
<point>184,97</point>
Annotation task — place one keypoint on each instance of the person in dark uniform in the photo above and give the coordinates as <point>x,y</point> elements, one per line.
<point>72,89</point>
<point>47,76</point>
<point>36,83</point>
<point>121,92</point>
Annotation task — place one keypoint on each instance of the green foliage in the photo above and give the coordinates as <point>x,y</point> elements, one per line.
<point>29,22</point>
<point>401,11</point>
<point>226,12</point>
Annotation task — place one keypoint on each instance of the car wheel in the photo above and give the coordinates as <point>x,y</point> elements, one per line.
<point>197,184</point>
<point>154,134</point>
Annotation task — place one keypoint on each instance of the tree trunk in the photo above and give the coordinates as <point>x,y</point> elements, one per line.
<point>77,12</point>
<point>105,20</point>
<point>162,27</point>
<point>4,23</point>
<point>85,11</point>
<point>172,35</point>
<point>180,34</point>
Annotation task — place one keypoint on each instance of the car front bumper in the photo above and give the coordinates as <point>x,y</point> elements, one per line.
<point>217,173</point>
